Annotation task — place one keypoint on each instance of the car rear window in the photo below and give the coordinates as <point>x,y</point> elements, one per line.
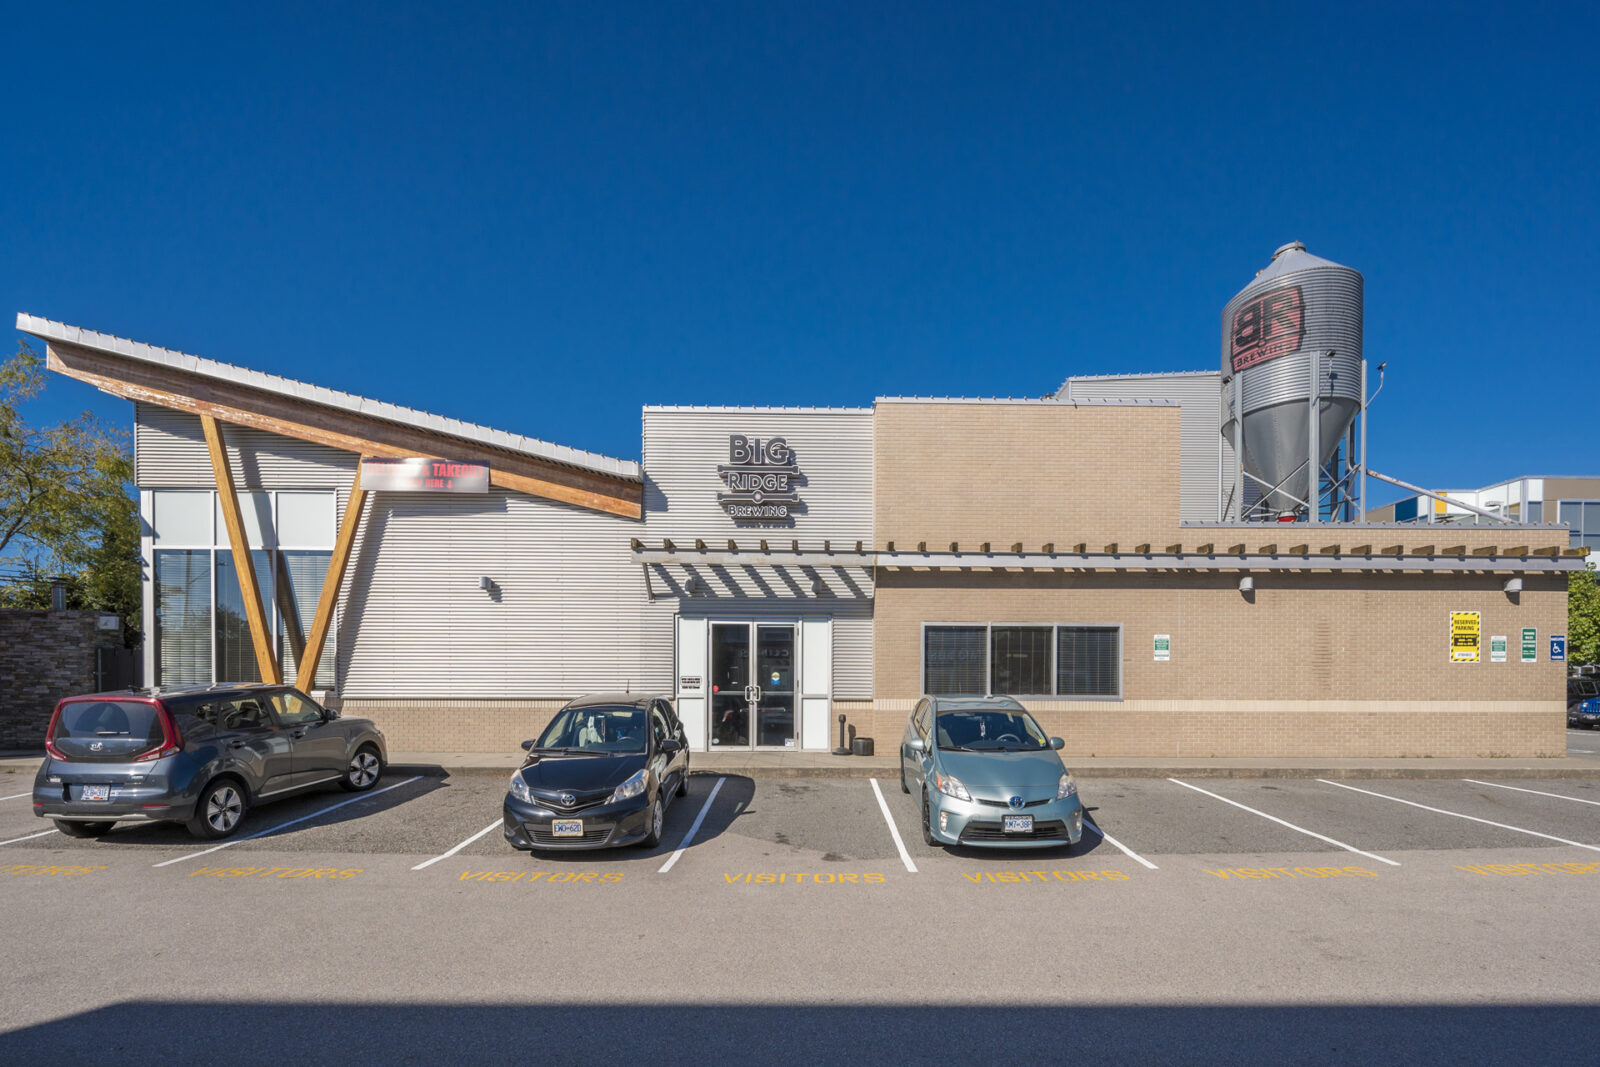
<point>123,720</point>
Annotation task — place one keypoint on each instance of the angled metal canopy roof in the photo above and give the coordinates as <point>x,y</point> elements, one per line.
<point>291,408</point>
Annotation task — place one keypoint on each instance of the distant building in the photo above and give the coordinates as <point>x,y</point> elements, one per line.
<point>1574,502</point>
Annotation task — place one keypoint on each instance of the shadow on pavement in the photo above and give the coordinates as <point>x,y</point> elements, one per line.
<point>151,1031</point>
<point>732,798</point>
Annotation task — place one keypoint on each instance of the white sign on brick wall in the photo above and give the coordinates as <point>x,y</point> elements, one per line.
<point>1163,647</point>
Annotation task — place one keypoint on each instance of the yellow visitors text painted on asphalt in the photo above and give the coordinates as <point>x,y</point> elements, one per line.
<point>1490,870</point>
<point>1015,877</point>
<point>543,877</point>
<point>1247,873</point>
<point>276,872</point>
<point>18,870</point>
<point>802,878</point>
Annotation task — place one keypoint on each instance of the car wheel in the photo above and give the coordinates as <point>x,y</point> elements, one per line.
<point>221,809</point>
<point>366,766</point>
<point>927,828</point>
<point>903,787</point>
<point>658,819</point>
<point>73,828</point>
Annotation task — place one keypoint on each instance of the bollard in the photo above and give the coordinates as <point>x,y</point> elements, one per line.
<point>844,748</point>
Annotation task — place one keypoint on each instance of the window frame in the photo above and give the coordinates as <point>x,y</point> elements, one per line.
<point>219,543</point>
<point>1055,629</point>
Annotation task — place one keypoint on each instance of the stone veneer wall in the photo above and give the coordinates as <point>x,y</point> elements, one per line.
<point>44,656</point>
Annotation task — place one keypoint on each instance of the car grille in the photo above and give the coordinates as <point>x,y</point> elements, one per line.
<point>541,835</point>
<point>548,800</point>
<point>978,830</point>
<point>1004,804</point>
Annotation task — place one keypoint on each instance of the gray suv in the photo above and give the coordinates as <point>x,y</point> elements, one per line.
<point>201,756</point>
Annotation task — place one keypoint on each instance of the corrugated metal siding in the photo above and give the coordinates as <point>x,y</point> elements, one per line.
<point>1199,397</point>
<point>568,614</point>
<point>833,452</point>
<point>170,453</point>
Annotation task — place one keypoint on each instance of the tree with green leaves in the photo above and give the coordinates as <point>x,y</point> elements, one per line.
<point>66,505</point>
<point>1583,617</point>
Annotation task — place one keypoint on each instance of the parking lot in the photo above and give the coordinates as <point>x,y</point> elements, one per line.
<point>773,896</point>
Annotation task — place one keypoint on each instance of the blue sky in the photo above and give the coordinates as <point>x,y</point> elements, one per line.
<point>542,216</point>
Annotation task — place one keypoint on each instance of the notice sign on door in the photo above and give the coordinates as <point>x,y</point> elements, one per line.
<point>1530,645</point>
<point>1466,636</point>
<point>1497,649</point>
<point>417,475</point>
<point>1163,647</point>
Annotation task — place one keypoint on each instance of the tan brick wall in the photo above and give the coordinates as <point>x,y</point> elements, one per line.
<point>1329,665</point>
<point>455,725</point>
<point>1023,472</point>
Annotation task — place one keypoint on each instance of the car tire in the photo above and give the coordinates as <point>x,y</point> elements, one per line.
<point>927,826</point>
<point>73,828</point>
<point>658,816</point>
<point>365,768</point>
<point>220,810</point>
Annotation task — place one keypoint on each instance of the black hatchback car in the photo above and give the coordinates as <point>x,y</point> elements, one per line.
<point>200,755</point>
<point>601,774</point>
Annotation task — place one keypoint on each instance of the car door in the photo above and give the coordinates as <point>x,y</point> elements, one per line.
<point>666,766</point>
<point>253,745</point>
<point>317,741</point>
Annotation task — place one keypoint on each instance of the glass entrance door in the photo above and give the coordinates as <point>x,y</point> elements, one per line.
<point>752,685</point>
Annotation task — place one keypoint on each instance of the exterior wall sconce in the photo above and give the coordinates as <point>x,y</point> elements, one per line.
<point>1513,585</point>
<point>486,584</point>
<point>819,587</point>
<point>694,587</point>
<point>1247,584</point>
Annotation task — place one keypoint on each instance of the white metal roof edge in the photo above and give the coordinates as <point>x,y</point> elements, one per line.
<point>50,330</point>
<point>736,409</point>
<point>1051,401</point>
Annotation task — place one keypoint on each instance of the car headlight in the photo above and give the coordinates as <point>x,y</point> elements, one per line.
<point>951,786</point>
<point>631,788</point>
<point>1066,787</point>
<point>520,790</point>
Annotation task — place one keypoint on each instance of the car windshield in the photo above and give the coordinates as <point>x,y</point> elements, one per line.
<point>975,730</point>
<point>596,729</point>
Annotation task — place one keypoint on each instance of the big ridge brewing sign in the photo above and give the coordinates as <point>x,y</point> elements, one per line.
<point>760,476</point>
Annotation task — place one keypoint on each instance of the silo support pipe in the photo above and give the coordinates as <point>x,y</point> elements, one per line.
<point>1440,497</point>
<point>1271,489</point>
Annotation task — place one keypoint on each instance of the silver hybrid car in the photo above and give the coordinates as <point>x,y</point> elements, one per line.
<point>986,774</point>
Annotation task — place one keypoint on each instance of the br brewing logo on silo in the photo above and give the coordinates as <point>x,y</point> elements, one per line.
<point>1273,324</point>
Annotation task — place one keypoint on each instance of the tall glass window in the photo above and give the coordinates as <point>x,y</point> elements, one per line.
<point>202,629</point>
<point>1583,517</point>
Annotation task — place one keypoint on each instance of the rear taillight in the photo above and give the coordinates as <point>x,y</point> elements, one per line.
<point>50,736</point>
<point>171,740</point>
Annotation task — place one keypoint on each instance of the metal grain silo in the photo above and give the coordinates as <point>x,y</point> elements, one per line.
<point>1276,338</point>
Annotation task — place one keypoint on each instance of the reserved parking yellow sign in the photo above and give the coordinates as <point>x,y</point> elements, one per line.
<point>1466,636</point>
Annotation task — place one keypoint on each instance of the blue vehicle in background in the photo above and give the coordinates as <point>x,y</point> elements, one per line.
<point>987,775</point>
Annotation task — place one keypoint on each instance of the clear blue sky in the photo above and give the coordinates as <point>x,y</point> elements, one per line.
<point>544,216</point>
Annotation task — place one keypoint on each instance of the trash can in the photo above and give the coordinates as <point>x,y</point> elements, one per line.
<point>861,746</point>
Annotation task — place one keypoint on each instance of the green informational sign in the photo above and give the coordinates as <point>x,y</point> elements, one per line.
<point>1163,647</point>
<point>1530,645</point>
<point>1497,649</point>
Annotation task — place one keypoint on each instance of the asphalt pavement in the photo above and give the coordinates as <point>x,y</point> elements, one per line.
<point>1202,920</point>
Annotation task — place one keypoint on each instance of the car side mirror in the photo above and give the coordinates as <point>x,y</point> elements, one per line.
<point>1057,744</point>
<point>919,744</point>
<point>669,745</point>
<point>329,714</point>
<point>527,746</point>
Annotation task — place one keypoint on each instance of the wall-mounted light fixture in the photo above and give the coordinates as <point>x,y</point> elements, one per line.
<point>486,584</point>
<point>1247,584</point>
<point>819,587</point>
<point>1513,585</point>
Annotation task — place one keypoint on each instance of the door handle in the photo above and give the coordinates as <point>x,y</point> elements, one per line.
<point>298,734</point>
<point>237,744</point>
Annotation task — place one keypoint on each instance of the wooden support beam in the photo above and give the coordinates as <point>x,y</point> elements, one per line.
<point>1517,550</point>
<point>1422,550</point>
<point>1207,549</point>
<point>1454,550</point>
<point>1016,548</point>
<point>1548,550</point>
<point>1395,550</point>
<point>1299,550</point>
<point>1236,550</point>
<point>240,405</point>
<point>244,566</point>
<point>955,546</point>
<point>1049,548</point>
<point>1361,550</point>
<point>1268,550</point>
<point>1143,549</point>
<point>1329,550</point>
<point>1175,550</point>
<point>1486,550</point>
<point>307,663</point>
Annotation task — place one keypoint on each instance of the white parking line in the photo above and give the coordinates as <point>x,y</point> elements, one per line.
<point>1088,822</point>
<point>14,796</point>
<point>30,837</point>
<point>286,825</point>
<point>1537,792</point>
<point>689,837</point>
<point>1457,814</point>
<point>1290,825</point>
<point>458,848</point>
<point>894,831</point>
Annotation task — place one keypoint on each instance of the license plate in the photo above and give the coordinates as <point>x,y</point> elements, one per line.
<point>1017,824</point>
<point>96,792</point>
<point>566,828</point>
